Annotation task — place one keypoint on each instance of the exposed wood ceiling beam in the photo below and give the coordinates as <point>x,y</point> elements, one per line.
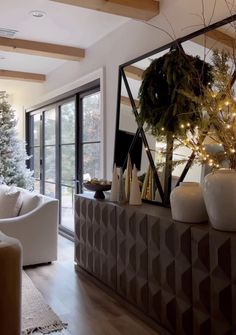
<point>125,101</point>
<point>136,73</point>
<point>133,72</point>
<point>41,49</point>
<point>136,9</point>
<point>224,38</point>
<point>26,76</point>
<point>218,37</point>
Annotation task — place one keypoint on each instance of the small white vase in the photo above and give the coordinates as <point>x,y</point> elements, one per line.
<point>219,190</point>
<point>128,177</point>
<point>187,203</point>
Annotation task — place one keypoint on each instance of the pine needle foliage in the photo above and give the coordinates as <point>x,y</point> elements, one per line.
<point>169,90</point>
<point>13,157</point>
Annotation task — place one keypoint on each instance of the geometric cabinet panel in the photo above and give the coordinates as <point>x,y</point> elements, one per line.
<point>182,276</point>
<point>214,281</point>
<point>95,239</point>
<point>132,267</point>
<point>170,275</point>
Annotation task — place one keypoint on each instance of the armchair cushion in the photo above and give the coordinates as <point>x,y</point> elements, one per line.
<point>3,188</point>
<point>36,229</point>
<point>10,203</point>
<point>30,202</point>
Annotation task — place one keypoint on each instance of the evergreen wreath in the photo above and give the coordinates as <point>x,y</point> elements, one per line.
<point>168,93</point>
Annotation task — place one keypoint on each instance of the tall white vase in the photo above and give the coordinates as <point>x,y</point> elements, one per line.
<point>135,194</point>
<point>219,191</point>
<point>121,195</point>
<point>114,185</point>
<point>187,203</point>
<point>128,177</point>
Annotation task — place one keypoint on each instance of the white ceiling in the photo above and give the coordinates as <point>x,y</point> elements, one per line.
<point>80,27</point>
<point>63,24</point>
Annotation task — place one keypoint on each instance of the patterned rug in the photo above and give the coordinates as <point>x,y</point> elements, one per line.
<point>37,316</point>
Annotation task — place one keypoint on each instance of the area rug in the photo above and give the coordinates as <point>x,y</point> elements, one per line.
<point>37,316</point>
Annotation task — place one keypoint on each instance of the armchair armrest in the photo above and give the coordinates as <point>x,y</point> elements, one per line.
<point>37,231</point>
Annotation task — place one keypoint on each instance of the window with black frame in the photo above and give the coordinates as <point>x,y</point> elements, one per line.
<point>64,141</point>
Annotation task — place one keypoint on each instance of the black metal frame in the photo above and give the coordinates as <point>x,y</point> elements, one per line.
<point>77,95</point>
<point>164,194</point>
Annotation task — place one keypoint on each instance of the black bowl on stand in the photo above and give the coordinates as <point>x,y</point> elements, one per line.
<point>98,189</point>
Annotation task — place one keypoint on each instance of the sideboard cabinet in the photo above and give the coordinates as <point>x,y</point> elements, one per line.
<point>182,276</point>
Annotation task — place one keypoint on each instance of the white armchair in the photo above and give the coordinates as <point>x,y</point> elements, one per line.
<point>37,230</point>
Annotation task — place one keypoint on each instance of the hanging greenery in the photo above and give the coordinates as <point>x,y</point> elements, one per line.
<point>168,90</point>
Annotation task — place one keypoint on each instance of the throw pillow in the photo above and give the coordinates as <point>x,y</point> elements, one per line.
<point>30,202</point>
<point>4,188</point>
<point>10,203</point>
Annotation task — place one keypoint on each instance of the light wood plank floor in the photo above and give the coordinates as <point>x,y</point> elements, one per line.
<point>86,308</point>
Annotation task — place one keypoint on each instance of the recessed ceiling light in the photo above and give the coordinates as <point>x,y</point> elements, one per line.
<point>37,13</point>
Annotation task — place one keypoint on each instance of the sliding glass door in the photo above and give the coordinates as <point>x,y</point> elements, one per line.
<point>65,145</point>
<point>67,163</point>
<point>49,153</point>
<point>91,135</point>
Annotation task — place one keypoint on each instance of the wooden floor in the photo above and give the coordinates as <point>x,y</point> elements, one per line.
<point>86,308</point>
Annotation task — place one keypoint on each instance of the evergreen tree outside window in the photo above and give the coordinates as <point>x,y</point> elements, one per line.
<point>13,157</point>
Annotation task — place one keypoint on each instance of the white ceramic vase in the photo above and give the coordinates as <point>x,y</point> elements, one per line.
<point>219,190</point>
<point>187,203</point>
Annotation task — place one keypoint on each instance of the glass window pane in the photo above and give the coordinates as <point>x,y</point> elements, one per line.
<point>68,122</point>
<point>36,162</point>
<point>91,160</point>
<point>50,190</point>
<point>50,127</point>
<point>67,164</point>
<point>91,117</point>
<point>36,129</point>
<point>67,212</point>
<point>50,163</point>
<point>37,186</point>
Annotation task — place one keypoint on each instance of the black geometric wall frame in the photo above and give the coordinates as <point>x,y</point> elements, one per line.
<point>164,192</point>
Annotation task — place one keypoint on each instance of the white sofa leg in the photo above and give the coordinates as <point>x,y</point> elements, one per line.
<point>10,285</point>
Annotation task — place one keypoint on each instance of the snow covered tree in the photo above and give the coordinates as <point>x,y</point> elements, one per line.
<point>13,156</point>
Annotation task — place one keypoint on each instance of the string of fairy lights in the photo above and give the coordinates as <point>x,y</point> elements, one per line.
<point>219,128</point>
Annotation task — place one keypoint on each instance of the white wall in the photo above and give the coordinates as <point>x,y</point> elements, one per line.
<point>127,42</point>
<point>19,93</point>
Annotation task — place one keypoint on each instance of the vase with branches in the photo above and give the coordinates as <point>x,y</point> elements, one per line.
<point>217,127</point>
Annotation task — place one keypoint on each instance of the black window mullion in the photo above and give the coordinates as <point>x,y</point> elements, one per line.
<point>28,139</point>
<point>79,141</point>
<point>42,153</point>
<point>91,142</point>
<point>58,153</point>
<point>58,157</point>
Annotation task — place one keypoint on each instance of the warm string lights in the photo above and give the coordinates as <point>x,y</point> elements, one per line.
<point>221,133</point>
<point>213,141</point>
<point>212,135</point>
